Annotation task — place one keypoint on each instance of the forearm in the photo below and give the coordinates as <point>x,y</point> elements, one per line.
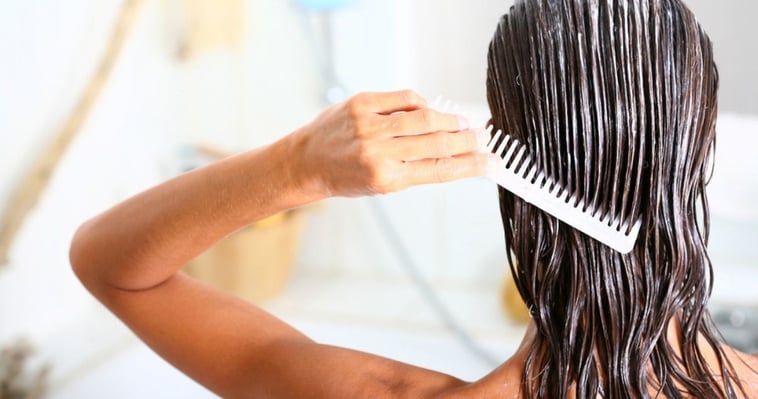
<point>146,239</point>
<point>372,143</point>
<point>128,256</point>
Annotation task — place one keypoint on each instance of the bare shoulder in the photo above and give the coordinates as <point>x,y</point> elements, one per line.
<point>750,376</point>
<point>752,361</point>
<point>749,366</point>
<point>746,367</point>
<point>753,381</point>
<point>504,382</point>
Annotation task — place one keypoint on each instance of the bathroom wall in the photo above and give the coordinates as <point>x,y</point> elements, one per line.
<point>731,25</point>
<point>152,106</point>
<point>48,57</point>
<point>452,40</point>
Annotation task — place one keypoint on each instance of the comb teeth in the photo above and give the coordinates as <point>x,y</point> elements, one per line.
<point>519,175</point>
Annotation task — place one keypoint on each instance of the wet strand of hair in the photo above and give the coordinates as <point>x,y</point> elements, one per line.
<point>595,90</point>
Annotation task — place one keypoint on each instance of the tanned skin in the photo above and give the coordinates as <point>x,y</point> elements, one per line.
<point>130,256</point>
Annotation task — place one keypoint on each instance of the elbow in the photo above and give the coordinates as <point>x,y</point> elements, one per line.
<point>91,256</point>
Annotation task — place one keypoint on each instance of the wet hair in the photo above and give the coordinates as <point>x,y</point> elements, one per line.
<point>616,100</point>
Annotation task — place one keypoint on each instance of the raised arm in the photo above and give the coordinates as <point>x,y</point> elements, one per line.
<point>129,256</point>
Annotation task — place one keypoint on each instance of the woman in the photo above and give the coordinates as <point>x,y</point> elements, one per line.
<point>588,85</point>
<point>617,101</point>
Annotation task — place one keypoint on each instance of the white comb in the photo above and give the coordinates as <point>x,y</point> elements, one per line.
<point>540,191</point>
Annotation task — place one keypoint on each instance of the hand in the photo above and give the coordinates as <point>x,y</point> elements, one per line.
<point>376,143</point>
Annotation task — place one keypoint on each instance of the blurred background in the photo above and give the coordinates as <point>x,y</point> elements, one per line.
<point>101,99</point>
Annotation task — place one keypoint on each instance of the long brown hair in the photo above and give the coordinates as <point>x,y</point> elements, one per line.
<point>617,101</point>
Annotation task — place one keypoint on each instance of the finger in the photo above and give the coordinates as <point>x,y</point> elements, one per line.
<point>442,170</point>
<point>437,145</point>
<point>388,102</point>
<point>422,121</point>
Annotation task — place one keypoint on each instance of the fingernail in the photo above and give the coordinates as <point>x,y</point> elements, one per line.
<point>494,160</point>
<point>488,163</point>
<point>463,123</point>
<point>482,139</point>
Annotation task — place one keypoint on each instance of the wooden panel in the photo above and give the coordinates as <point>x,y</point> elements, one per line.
<point>256,262</point>
<point>211,25</point>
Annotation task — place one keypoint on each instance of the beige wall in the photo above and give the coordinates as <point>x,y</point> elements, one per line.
<point>734,31</point>
<point>452,42</point>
